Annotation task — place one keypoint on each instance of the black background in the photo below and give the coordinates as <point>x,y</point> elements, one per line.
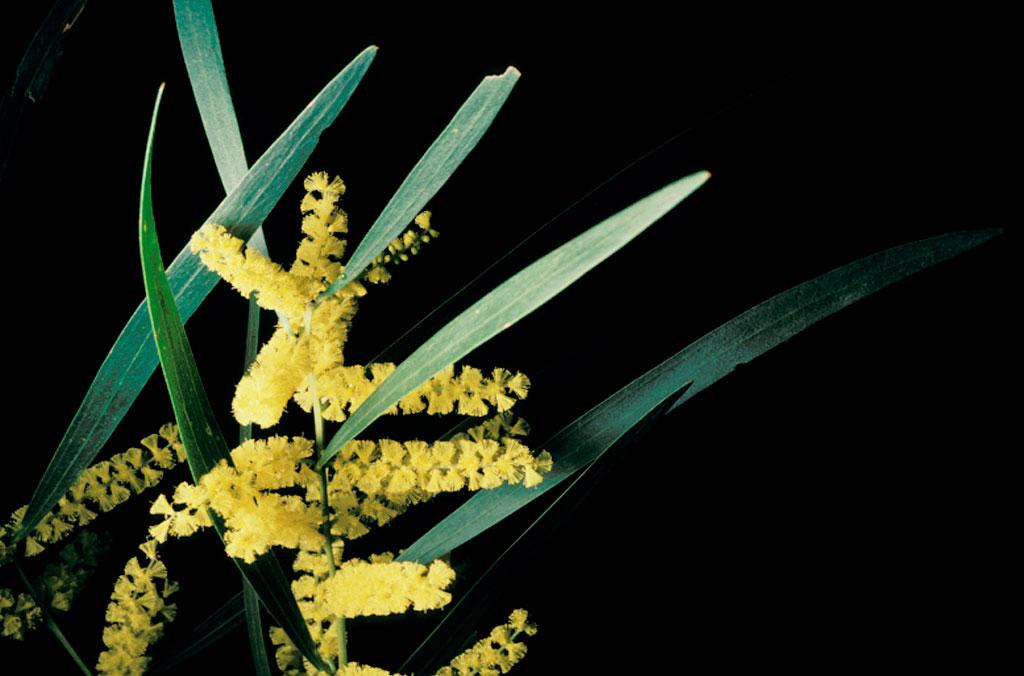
<point>842,501</point>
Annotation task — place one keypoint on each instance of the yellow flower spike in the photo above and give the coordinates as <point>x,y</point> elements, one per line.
<point>362,588</point>
<point>319,253</point>
<point>495,654</point>
<point>376,481</point>
<point>343,388</point>
<point>100,488</point>
<point>135,616</point>
<point>279,369</point>
<point>276,289</point>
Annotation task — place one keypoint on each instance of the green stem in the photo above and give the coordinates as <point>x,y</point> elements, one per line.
<point>50,623</point>
<point>252,339</point>
<point>325,508</point>
<point>253,618</point>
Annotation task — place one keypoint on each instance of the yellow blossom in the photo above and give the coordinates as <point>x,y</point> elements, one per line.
<point>136,615</point>
<point>100,488</point>
<point>319,252</point>
<point>495,654</point>
<point>343,388</point>
<point>363,588</point>
<point>279,368</point>
<point>275,288</point>
<point>255,517</point>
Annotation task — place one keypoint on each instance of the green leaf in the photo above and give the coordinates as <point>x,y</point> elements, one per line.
<point>511,301</point>
<point>440,161</point>
<point>200,45</point>
<point>204,444</point>
<point>255,628</point>
<point>702,363</point>
<point>133,358</point>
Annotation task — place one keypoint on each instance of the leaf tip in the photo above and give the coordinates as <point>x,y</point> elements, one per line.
<point>688,184</point>
<point>511,72</point>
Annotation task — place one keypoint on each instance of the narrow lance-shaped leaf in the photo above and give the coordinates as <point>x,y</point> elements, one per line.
<point>440,161</point>
<point>512,300</point>
<point>133,358</point>
<point>204,443</point>
<point>703,363</point>
<point>200,45</point>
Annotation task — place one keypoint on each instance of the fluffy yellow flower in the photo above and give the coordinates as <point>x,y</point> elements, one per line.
<point>495,654</point>
<point>100,488</point>
<point>343,389</point>
<point>249,272</point>
<point>255,517</point>
<point>136,615</point>
<point>280,367</point>
<point>319,252</point>
<point>363,588</point>
<point>283,364</point>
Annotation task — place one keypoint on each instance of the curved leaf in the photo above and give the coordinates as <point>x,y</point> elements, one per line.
<point>132,359</point>
<point>512,300</point>
<point>703,363</point>
<point>204,443</point>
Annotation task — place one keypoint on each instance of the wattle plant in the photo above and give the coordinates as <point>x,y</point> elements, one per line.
<point>274,497</point>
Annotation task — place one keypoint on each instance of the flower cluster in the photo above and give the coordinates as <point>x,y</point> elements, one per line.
<point>495,654</point>
<point>256,516</point>
<point>18,614</point>
<point>269,495</point>
<point>378,480</point>
<point>136,612</point>
<point>100,488</point>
